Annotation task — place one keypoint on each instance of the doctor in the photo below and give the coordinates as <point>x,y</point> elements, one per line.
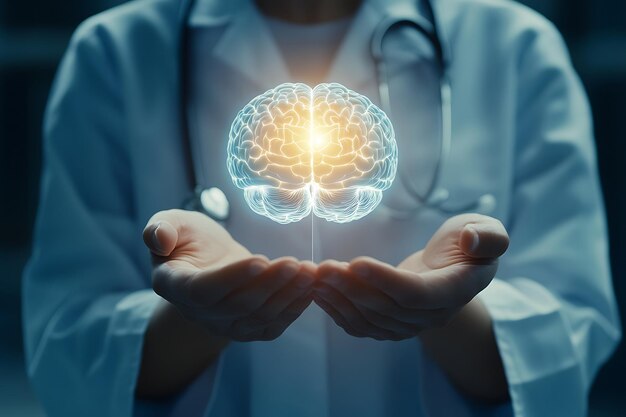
<point>450,330</point>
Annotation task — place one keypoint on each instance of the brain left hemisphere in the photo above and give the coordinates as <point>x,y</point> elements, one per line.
<point>270,158</point>
<point>274,150</point>
<point>280,154</point>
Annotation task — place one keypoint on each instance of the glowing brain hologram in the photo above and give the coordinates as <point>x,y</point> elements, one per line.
<point>296,149</point>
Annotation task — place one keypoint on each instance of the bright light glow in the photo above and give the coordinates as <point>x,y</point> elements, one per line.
<point>296,149</point>
<point>318,140</point>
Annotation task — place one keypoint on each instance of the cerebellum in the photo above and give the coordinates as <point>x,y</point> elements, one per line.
<point>295,149</point>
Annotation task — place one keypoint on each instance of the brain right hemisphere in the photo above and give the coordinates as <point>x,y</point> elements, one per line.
<point>328,149</point>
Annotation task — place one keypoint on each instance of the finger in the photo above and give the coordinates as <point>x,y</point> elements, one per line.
<point>247,336</point>
<point>250,328</point>
<point>284,297</point>
<point>375,306</point>
<point>485,238</point>
<point>165,229</point>
<point>173,284</point>
<point>308,267</point>
<point>365,297</point>
<point>456,285</point>
<point>170,229</point>
<point>338,276</point>
<point>295,309</point>
<point>350,313</point>
<point>160,237</point>
<point>209,287</point>
<point>406,288</point>
<point>470,234</point>
<point>337,317</point>
<point>286,317</point>
<point>250,297</point>
<point>398,329</point>
<point>439,289</point>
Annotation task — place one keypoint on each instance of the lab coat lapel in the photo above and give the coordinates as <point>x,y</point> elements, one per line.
<point>353,62</point>
<point>247,47</point>
<point>353,65</point>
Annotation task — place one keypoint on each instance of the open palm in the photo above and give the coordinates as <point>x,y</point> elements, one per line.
<point>214,280</point>
<point>369,298</point>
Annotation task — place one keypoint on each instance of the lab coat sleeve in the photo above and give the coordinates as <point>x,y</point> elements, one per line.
<point>552,303</point>
<point>86,289</point>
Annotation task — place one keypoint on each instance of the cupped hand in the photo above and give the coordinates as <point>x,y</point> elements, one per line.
<point>369,298</point>
<point>215,281</point>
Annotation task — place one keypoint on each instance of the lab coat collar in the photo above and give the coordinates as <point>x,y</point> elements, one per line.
<point>353,63</point>
<point>217,12</point>
<point>247,45</point>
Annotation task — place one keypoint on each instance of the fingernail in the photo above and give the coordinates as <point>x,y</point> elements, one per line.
<point>256,268</point>
<point>361,270</point>
<point>475,237</point>
<point>155,239</point>
<point>304,281</point>
<point>289,270</point>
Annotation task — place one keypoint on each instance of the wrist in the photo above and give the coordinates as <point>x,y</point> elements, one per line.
<point>167,315</point>
<point>467,351</point>
<point>472,317</point>
<point>175,351</point>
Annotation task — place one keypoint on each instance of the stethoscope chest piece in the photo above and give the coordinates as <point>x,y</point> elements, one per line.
<point>214,203</point>
<point>210,201</point>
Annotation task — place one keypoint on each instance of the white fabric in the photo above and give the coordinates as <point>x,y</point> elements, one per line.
<point>113,157</point>
<point>308,50</point>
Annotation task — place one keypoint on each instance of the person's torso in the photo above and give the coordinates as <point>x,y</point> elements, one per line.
<point>363,377</point>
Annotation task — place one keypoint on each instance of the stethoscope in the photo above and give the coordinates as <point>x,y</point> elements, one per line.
<point>213,202</point>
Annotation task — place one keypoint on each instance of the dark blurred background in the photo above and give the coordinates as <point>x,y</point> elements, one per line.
<point>33,36</point>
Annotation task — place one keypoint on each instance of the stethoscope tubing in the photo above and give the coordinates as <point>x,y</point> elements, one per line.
<point>434,197</point>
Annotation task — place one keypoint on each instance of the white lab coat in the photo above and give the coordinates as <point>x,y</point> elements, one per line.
<point>113,157</point>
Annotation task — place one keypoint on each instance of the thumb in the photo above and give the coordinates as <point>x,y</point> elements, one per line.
<point>485,237</point>
<point>161,233</point>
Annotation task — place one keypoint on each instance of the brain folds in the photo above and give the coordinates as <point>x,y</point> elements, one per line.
<point>297,149</point>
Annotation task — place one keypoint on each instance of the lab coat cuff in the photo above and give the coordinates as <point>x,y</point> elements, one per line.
<point>128,325</point>
<point>535,345</point>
